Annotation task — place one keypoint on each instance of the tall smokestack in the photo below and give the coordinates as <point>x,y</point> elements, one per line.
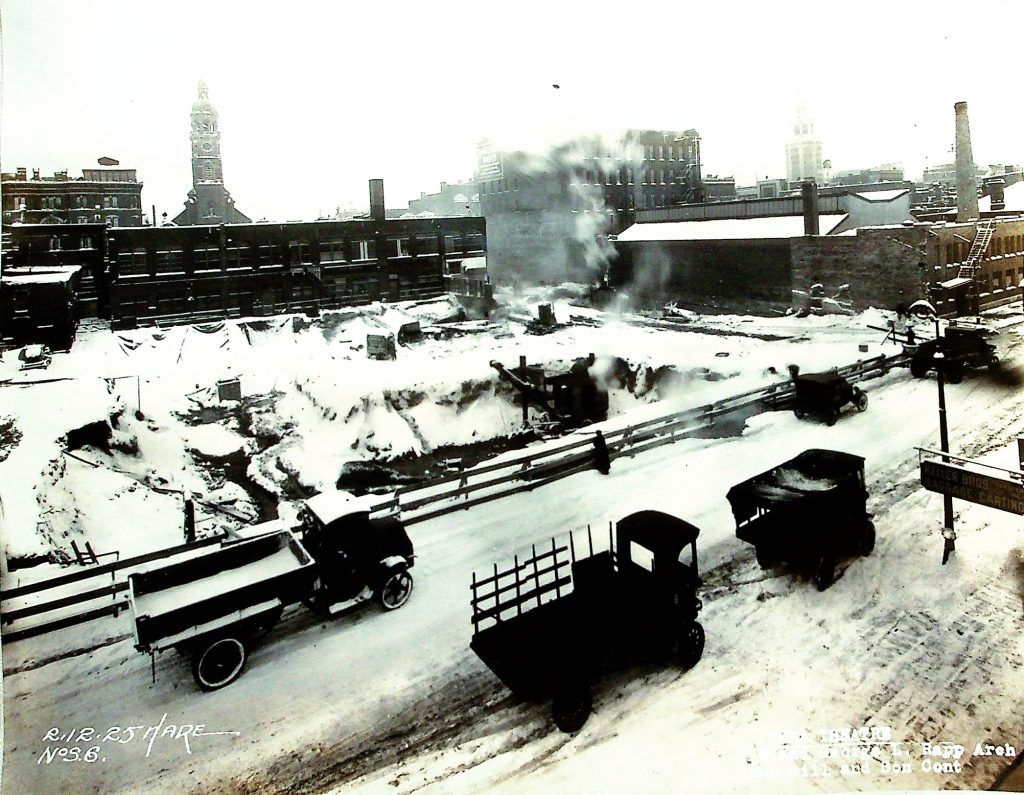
<point>809,191</point>
<point>966,191</point>
<point>377,199</point>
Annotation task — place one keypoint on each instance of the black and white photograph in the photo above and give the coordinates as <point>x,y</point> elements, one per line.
<point>527,398</point>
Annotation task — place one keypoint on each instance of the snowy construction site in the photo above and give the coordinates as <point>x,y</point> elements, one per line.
<point>132,463</point>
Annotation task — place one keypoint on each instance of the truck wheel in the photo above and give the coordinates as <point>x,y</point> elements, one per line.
<point>570,707</point>
<point>993,364</point>
<point>691,645</point>
<point>867,541</point>
<point>218,663</point>
<point>860,400</point>
<point>954,372</point>
<point>831,417</point>
<point>764,560</point>
<point>919,367</point>
<point>824,573</point>
<point>396,590</point>
<point>800,414</point>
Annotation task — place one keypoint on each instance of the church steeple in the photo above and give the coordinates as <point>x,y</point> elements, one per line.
<point>206,162</point>
<point>208,201</point>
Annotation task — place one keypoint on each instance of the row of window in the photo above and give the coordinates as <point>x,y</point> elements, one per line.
<point>57,202</point>
<point>998,246</point>
<point>206,258</point>
<point>1000,280</point>
<point>201,297</point>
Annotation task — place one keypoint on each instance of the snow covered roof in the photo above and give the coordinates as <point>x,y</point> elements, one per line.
<point>780,227</point>
<point>333,505</point>
<point>881,195</point>
<point>49,277</point>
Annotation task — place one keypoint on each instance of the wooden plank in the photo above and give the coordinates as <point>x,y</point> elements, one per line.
<point>68,621</point>
<point>500,589</point>
<point>534,593</point>
<point>516,462</point>
<point>106,568</point>
<point>481,500</point>
<point>85,596</point>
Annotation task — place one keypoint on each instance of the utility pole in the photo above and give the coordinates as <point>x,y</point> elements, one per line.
<point>925,310</point>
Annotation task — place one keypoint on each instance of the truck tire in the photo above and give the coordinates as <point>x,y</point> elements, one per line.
<point>218,662</point>
<point>867,540</point>
<point>919,367</point>
<point>691,645</point>
<point>764,560</point>
<point>831,416</point>
<point>570,707</point>
<point>396,589</point>
<point>824,572</point>
<point>860,400</point>
<point>954,372</point>
<point>993,364</point>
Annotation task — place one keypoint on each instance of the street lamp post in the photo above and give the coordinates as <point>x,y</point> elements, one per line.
<point>925,310</point>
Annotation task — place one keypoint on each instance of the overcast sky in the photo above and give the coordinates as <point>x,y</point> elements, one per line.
<point>317,98</point>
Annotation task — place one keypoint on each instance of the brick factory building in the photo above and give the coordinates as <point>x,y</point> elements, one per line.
<point>183,274</point>
<point>107,195</point>
<point>757,254</point>
<point>549,215</point>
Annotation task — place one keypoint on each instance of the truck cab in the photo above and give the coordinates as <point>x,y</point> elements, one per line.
<point>963,346</point>
<point>359,557</point>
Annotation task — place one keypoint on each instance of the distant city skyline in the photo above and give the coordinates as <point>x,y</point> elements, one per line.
<point>314,99</point>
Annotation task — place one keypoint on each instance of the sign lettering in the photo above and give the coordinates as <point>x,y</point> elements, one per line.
<point>999,493</point>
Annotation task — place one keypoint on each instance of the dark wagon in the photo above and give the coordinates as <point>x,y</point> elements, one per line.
<point>824,395</point>
<point>810,511</point>
<point>555,621</point>
<point>215,605</point>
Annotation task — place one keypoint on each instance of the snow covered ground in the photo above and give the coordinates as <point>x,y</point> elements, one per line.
<point>373,702</point>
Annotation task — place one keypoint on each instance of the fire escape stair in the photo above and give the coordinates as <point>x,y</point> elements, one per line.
<point>978,249</point>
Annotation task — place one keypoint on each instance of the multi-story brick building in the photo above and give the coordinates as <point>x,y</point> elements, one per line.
<point>174,274</point>
<point>112,196</point>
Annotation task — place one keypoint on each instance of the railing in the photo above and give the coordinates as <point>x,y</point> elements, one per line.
<point>443,495</point>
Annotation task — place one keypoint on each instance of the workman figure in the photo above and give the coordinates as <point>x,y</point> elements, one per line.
<point>602,461</point>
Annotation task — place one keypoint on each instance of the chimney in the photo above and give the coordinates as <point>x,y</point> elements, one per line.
<point>809,191</point>
<point>22,173</point>
<point>966,190</point>
<point>35,173</point>
<point>995,188</point>
<point>377,199</point>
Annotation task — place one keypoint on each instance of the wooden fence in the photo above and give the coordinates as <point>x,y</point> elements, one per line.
<point>449,493</point>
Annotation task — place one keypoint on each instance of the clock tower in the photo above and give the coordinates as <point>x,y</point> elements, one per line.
<point>209,201</point>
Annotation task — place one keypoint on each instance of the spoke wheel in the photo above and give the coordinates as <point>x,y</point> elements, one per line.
<point>219,663</point>
<point>691,645</point>
<point>396,590</point>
